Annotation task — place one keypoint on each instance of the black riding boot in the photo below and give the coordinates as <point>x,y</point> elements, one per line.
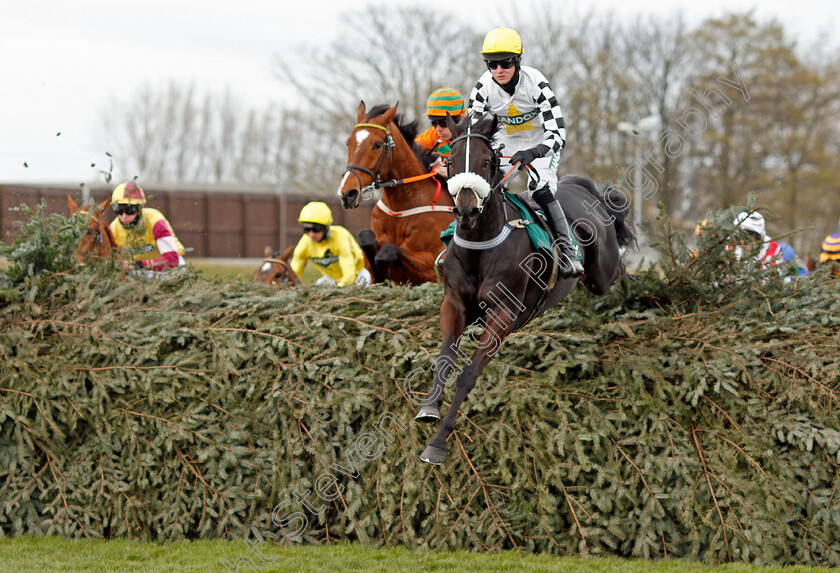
<point>569,263</point>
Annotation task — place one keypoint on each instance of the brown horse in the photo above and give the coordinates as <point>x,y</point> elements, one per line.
<point>276,269</point>
<point>97,240</point>
<point>494,277</point>
<point>403,243</point>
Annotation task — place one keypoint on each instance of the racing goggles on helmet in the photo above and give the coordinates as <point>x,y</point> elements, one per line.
<point>126,209</point>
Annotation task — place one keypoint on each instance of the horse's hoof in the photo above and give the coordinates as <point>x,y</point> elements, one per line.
<point>367,238</point>
<point>427,414</point>
<point>433,455</point>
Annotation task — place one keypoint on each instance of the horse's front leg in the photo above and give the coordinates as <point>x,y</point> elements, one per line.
<point>452,319</point>
<point>488,344</point>
<point>367,241</point>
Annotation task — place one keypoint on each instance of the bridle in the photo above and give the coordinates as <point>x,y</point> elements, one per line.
<point>286,267</point>
<point>374,174</point>
<point>479,185</point>
<point>94,231</point>
<point>280,262</point>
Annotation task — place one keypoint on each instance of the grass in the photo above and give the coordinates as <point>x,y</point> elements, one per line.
<point>243,271</point>
<point>60,554</point>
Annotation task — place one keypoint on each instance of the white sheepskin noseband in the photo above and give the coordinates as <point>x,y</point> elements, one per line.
<point>477,183</point>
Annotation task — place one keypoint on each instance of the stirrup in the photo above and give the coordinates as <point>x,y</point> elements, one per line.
<point>569,265</point>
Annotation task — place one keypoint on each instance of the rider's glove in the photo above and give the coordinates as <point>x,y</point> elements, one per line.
<point>526,156</point>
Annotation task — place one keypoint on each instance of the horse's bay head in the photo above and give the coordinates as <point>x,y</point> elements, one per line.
<point>369,152</point>
<point>97,238</point>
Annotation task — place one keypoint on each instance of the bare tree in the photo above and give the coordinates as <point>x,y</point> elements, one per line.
<point>781,140</point>
<point>776,136</point>
<point>656,54</point>
<point>177,135</point>
<point>384,54</point>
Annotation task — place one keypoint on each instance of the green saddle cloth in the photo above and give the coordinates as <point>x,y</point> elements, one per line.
<point>539,236</point>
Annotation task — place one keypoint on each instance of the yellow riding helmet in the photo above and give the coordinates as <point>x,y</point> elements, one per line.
<point>445,100</point>
<point>128,193</point>
<point>501,43</point>
<point>316,212</point>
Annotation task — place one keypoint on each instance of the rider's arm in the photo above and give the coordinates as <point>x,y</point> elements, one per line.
<point>346,259</point>
<point>300,256</point>
<point>478,96</point>
<point>166,245</point>
<point>552,115</point>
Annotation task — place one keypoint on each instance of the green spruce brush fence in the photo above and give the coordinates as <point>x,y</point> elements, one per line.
<point>692,412</point>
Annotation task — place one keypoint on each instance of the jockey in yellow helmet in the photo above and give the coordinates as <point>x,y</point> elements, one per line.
<point>144,231</point>
<point>331,248</point>
<point>531,128</point>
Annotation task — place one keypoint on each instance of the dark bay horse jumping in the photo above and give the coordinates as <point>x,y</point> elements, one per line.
<point>403,242</point>
<point>97,240</point>
<point>494,277</point>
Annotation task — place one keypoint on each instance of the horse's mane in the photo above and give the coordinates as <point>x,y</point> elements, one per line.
<point>408,129</point>
<point>611,199</point>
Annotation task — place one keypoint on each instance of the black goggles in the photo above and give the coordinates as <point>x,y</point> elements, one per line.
<point>313,228</point>
<point>438,121</point>
<point>504,64</point>
<point>126,209</point>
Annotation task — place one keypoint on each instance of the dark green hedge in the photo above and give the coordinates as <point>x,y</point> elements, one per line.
<point>670,417</point>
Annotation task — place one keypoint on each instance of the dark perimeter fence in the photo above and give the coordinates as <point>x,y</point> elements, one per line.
<point>210,220</point>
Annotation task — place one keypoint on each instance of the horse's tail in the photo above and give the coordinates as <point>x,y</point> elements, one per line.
<point>615,203</point>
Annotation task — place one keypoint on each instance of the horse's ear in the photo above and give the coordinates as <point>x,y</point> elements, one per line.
<point>452,124</point>
<point>287,254</point>
<point>388,116</point>
<point>73,205</point>
<point>494,125</point>
<point>267,251</point>
<point>104,205</point>
<point>360,113</point>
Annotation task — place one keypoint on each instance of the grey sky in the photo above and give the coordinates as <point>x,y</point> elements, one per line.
<point>61,61</point>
